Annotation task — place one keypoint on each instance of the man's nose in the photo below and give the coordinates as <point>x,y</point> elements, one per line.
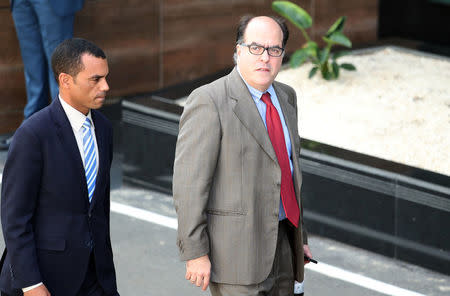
<point>265,56</point>
<point>105,86</point>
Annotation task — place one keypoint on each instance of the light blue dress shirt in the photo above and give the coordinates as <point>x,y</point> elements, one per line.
<point>256,95</point>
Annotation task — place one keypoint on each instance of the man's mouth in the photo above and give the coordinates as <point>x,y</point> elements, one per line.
<point>101,96</point>
<point>263,69</point>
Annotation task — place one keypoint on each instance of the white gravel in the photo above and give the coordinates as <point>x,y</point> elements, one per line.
<point>396,106</point>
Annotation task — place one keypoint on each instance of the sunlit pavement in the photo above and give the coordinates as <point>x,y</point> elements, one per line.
<point>147,263</point>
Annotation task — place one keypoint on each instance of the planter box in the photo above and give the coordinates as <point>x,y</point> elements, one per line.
<point>149,135</point>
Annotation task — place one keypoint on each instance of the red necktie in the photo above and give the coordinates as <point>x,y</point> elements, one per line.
<point>276,135</point>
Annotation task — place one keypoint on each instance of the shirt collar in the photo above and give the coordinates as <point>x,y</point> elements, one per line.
<point>76,118</point>
<point>256,94</point>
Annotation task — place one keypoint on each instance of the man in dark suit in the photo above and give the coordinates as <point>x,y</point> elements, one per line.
<point>237,177</point>
<point>40,27</point>
<point>55,203</point>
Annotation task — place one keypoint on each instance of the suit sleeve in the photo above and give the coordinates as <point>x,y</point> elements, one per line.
<point>195,162</point>
<point>20,192</point>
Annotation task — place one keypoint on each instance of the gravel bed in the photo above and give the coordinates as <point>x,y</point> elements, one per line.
<point>396,106</point>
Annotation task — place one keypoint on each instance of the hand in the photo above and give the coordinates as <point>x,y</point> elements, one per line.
<point>198,270</point>
<point>38,291</point>
<point>307,253</point>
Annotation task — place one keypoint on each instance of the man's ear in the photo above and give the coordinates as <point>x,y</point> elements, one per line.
<point>64,80</point>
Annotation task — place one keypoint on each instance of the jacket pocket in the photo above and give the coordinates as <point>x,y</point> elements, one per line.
<point>220,212</point>
<point>53,244</point>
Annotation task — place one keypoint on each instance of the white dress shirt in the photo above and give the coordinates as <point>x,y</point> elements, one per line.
<point>76,119</point>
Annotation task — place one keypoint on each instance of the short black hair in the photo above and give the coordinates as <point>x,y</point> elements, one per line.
<point>245,20</point>
<point>66,57</point>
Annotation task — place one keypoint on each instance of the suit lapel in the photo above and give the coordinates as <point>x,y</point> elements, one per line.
<point>67,138</point>
<point>247,112</point>
<point>288,113</point>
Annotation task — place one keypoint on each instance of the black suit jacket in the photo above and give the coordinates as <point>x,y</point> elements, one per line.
<point>49,226</point>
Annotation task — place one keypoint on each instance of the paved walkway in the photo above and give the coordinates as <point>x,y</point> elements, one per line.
<point>147,261</point>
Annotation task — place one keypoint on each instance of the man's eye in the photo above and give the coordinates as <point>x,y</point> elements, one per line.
<point>275,50</point>
<point>255,47</point>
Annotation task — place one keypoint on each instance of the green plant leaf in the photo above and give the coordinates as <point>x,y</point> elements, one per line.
<point>323,55</point>
<point>299,57</point>
<point>339,54</point>
<point>337,26</point>
<point>338,38</point>
<point>312,72</point>
<point>335,69</point>
<point>294,13</point>
<point>348,67</point>
<point>326,74</point>
<point>312,48</point>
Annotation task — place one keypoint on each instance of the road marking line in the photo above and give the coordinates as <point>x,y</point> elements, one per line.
<point>360,280</point>
<point>144,215</point>
<point>323,268</point>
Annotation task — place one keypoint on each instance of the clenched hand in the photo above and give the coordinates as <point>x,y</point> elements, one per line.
<point>198,271</point>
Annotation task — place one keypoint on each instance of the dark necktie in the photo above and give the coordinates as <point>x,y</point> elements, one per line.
<point>276,135</point>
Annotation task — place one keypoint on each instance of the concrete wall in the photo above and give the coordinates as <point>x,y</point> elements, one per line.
<point>156,43</point>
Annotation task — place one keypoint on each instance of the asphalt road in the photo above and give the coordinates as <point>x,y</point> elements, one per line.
<point>147,263</point>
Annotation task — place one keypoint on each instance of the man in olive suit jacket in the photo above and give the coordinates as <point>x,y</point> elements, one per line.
<point>237,176</point>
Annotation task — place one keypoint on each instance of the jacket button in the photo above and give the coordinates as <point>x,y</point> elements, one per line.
<point>89,244</point>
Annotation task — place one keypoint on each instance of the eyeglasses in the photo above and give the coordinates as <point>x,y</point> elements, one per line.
<point>256,49</point>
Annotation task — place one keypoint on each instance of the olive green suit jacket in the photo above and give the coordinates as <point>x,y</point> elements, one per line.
<point>226,182</point>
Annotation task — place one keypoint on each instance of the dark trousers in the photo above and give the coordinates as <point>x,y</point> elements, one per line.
<point>90,286</point>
